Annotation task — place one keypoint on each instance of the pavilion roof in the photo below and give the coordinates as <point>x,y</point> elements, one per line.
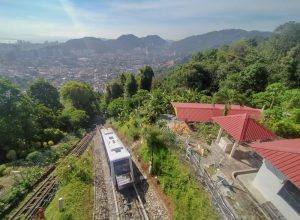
<point>244,128</point>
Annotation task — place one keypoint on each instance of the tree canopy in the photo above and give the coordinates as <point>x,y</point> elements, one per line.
<point>81,96</point>
<point>145,78</point>
<point>17,122</point>
<point>45,93</point>
<point>29,120</point>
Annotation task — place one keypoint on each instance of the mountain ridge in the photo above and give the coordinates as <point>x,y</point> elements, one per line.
<point>191,44</point>
<point>128,42</point>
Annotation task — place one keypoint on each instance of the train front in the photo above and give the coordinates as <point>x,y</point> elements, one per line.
<point>123,172</point>
<point>118,158</point>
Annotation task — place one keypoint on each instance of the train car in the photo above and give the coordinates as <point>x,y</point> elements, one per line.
<point>118,158</point>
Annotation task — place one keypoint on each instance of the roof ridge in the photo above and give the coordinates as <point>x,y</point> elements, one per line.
<point>244,126</point>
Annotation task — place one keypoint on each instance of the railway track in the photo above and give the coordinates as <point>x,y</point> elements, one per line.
<point>129,205</point>
<point>40,198</point>
<point>46,191</point>
<point>80,148</point>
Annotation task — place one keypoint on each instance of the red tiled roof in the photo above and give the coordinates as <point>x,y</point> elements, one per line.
<point>284,155</point>
<point>244,128</point>
<point>196,112</point>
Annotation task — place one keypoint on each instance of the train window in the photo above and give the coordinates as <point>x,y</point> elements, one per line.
<point>111,137</point>
<point>121,167</point>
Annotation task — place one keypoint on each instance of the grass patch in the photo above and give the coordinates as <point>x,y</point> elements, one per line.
<point>207,131</point>
<point>130,129</point>
<point>190,199</point>
<point>75,187</point>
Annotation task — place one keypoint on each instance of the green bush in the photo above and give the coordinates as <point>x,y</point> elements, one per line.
<point>2,169</point>
<point>74,118</point>
<point>131,129</point>
<point>36,157</point>
<point>8,170</point>
<point>82,173</point>
<point>286,129</point>
<point>65,169</point>
<point>11,155</point>
<point>71,168</point>
<point>49,156</point>
<point>53,134</point>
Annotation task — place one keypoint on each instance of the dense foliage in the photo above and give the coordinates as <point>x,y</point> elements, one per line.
<point>35,119</point>
<point>176,180</point>
<point>258,72</point>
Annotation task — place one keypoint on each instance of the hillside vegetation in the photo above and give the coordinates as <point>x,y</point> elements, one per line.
<point>40,117</point>
<point>262,73</point>
<point>259,73</point>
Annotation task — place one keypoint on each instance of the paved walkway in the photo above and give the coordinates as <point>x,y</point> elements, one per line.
<point>247,181</point>
<point>228,164</point>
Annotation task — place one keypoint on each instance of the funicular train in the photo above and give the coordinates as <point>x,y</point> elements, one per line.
<point>118,158</point>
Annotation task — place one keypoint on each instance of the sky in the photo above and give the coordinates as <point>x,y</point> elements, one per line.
<point>40,20</point>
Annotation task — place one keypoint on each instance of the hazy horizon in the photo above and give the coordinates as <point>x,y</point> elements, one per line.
<point>60,20</point>
<point>3,40</point>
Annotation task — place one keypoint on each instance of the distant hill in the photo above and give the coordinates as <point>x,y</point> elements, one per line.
<point>86,43</point>
<point>124,42</point>
<point>213,39</point>
<point>188,45</point>
<point>154,43</point>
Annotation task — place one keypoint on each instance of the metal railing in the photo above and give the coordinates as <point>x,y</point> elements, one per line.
<point>211,186</point>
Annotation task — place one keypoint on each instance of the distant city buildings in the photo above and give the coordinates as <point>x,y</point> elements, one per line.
<point>95,69</point>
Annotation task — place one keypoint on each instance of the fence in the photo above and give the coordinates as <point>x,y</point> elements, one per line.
<point>211,186</point>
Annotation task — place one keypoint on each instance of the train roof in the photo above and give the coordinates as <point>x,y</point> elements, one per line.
<point>114,147</point>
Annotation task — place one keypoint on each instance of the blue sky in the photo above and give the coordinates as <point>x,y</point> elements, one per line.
<point>39,20</point>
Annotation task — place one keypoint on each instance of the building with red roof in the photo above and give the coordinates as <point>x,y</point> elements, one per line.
<point>243,128</point>
<point>278,179</point>
<point>197,112</point>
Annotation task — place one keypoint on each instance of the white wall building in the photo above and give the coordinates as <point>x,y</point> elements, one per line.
<point>278,179</point>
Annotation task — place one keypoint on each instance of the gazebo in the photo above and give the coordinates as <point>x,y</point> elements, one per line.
<point>242,128</point>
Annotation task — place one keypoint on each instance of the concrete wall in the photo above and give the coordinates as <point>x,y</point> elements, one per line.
<point>269,181</point>
<point>225,144</point>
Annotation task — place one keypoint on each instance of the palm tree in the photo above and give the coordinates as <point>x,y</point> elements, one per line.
<point>228,97</point>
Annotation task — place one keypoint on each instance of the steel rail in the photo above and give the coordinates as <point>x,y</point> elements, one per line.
<point>45,192</point>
